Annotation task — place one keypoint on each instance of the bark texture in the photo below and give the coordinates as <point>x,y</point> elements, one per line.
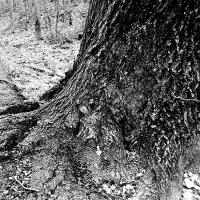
<point>134,86</point>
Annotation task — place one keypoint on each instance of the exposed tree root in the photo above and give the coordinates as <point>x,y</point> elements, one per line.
<point>20,108</point>
<point>14,128</point>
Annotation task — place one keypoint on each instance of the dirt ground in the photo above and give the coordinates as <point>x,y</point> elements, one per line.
<point>34,67</point>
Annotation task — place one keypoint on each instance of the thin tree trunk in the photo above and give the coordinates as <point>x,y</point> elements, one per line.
<point>26,13</point>
<point>48,21</point>
<point>11,13</point>
<point>38,33</point>
<point>21,8</point>
<point>30,4</point>
<point>57,17</point>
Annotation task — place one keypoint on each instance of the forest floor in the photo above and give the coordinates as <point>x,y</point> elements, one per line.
<point>34,67</point>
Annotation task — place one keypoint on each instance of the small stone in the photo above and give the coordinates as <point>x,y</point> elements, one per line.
<point>117,192</point>
<point>188,183</point>
<point>95,165</point>
<point>106,188</point>
<point>113,187</point>
<point>6,192</point>
<point>98,152</point>
<point>91,101</point>
<point>129,187</point>
<point>187,195</point>
<point>139,175</point>
<point>84,109</point>
<point>194,177</point>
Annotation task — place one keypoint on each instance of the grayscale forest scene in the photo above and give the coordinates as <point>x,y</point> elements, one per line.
<point>99,100</point>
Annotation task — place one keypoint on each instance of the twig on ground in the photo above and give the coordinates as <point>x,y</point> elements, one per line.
<point>195,100</point>
<point>26,188</point>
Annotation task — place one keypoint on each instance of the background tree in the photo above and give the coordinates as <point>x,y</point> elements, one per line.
<point>20,5</point>
<point>133,87</point>
<point>48,19</point>
<point>11,12</point>
<point>37,23</point>
<point>26,13</point>
<point>57,17</point>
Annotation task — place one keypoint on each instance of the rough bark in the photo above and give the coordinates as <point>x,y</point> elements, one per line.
<point>135,86</point>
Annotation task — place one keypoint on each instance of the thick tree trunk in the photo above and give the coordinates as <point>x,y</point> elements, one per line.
<point>134,86</point>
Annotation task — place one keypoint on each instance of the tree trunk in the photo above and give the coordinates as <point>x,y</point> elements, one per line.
<point>20,7</point>
<point>38,33</point>
<point>30,12</point>
<point>134,87</point>
<point>57,17</point>
<point>48,19</point>
<point>11,12</point>
<point>26,13</point>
